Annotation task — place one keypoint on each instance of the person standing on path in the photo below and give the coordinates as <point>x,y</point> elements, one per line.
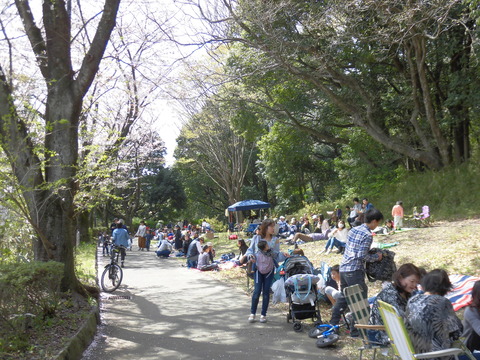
<point>263,277</point>
<point>352,267</point>
<point>141,232</point>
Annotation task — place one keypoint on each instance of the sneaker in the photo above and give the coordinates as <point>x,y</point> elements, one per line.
<point>263,319</point>
<point>122,264</point>
<point>251,318</point>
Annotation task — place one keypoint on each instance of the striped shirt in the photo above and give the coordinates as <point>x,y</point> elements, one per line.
<point>356,251</point>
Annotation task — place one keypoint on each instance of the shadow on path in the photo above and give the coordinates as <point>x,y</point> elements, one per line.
<point>174,313</point>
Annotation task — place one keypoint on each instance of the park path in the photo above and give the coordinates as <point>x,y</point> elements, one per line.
<point>164,311</point>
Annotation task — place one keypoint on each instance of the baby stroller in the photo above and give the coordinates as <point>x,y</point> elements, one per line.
<point>301,291</point>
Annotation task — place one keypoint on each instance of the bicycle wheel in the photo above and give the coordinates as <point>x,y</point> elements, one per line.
<point>111,278</point>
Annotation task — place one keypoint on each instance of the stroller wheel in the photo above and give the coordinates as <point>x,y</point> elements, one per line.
<point>314,333</point>
<point>327,341</point>
<point>298,327</point>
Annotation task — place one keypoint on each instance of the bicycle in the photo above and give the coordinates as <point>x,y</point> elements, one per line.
<point>325,334</point>
<point>113,274</point>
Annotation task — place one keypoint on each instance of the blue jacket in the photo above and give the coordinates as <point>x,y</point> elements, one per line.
<point>120,237</point>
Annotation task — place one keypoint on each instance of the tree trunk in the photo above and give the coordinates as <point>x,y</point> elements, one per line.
<point>84,226</point>
<point>49,185</point>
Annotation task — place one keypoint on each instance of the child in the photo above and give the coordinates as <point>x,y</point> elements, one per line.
<point>265,269</point>
<point>204,259</point>
<point>332,286</point>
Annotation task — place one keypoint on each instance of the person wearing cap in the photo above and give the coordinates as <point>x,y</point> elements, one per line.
<point>211,252</point>
<point>204,262</point>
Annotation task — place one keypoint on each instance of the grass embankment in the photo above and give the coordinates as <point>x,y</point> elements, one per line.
<point>453,246</point>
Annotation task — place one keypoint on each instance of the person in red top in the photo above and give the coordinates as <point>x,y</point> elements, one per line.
<point>397,213</point>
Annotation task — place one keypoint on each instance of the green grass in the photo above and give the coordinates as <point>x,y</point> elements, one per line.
<point>85,263</point>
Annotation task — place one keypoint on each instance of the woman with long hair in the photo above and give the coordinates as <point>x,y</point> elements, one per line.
<point>265,232</point>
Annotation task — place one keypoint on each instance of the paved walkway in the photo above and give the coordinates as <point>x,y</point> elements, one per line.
<point>174,313</point>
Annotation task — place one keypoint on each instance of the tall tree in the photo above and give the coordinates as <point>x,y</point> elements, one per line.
<point>393,68</point>
<point>48,176</point>
<point>211,142</point>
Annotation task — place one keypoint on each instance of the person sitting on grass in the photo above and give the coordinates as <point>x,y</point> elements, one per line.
<point>164,249</point>
<point>386,229</point>
<point>337,237</point>
<point>204,263</point>
<point>315,236</point>
<point>243,247</point>
<point>332,288</point>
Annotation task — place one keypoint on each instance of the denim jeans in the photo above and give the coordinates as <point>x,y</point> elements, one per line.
<point>347,279</point>
<point>192,263</point>
<point>163,253</point>
<point>263,282</point>
<point>333,241</point>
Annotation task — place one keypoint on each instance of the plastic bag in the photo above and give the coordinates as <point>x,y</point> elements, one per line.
<point>279,294</point>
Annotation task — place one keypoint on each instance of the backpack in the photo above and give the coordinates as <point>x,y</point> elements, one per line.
<point>264,263</point>
<point>381,270</point>
<point>226,257</point>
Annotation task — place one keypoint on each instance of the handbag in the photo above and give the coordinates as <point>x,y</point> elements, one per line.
<point>381,270</point>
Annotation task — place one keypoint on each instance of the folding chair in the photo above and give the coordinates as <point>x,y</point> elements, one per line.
<point>360,309</point>
<point>400,340</point>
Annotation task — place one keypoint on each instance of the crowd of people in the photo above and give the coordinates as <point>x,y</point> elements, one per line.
<point>181,240</point>
<point>417,295</point>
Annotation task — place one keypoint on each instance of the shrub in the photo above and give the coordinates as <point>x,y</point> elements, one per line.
<point>215,224</point>
<point>28,288</point>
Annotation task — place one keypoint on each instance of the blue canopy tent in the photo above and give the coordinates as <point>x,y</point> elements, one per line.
<point>248,205</point>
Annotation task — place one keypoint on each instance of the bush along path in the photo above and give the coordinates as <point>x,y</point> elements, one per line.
<point>164,310</point>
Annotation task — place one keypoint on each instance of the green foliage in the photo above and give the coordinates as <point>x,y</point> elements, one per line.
<point>216,224</point>
<point>291,161</point>
<point>29,294</point>
<point>453,193</point>
<point>31,287</point>
<point>85,262</point>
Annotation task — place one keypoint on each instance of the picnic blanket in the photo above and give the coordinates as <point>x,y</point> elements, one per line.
<point>384,245</point>
<point>460,296</point>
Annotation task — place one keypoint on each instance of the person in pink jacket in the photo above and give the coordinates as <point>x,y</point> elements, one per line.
<point>397,214</point>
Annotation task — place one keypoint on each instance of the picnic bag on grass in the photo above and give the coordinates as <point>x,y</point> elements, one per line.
<point>381,270</point>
